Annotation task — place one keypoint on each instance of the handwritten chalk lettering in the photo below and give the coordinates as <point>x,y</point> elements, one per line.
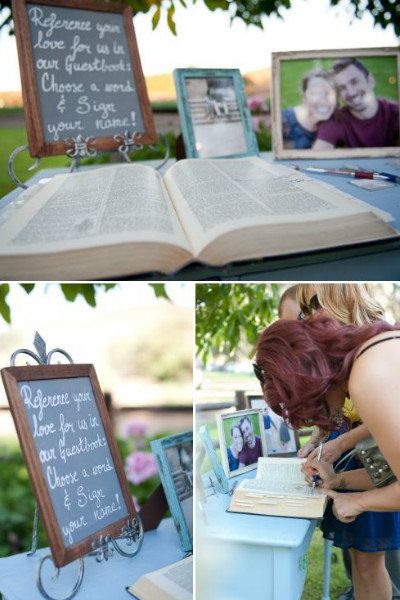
<point>48,44</point>
<point>119,87</point>
<point>65,427</point>
<point>118,49</point>
<point>98,65</point>
<point>85,473</point>
<point>58,481</point>
<point>55,130</point>
<point>47,455</point>
<point>112,123</point>
<point>105,511</point>
<point>94,87</point>
<point>93,496</point>
<point>42,430</point>
<point>102,49</point>
<point>82,424</point>
<point>52,23</point>
<point>82,447</point>
<point>61,106</point>
<point>93,421</point>
<point>47,63</point>
<point>67,501</point>
<point>79,398</point>
<point>49,84</point>
<point>107,28</point>
<point>84,106</point>
<point>73,526</point>
<point>77,47</point>
<point>102,468</point>
<point>42,402</point>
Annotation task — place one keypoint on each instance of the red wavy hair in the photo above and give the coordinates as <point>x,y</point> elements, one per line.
<point>301,361</point>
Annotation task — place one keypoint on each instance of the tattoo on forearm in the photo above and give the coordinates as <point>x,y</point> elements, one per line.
<point>342,485</point>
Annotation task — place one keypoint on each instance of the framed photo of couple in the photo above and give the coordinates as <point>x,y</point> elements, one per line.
<point>242,440</point>
<point>336,103</point>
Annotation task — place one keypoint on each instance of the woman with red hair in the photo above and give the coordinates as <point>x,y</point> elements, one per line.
<point>307,369</point>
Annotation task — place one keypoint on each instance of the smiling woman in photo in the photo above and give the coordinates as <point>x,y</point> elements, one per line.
<point>300,123</point>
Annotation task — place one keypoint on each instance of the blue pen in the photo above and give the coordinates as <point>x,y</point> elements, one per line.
<point>391,177</point>
<point>315,478</point>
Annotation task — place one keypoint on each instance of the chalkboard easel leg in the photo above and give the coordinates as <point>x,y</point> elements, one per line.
<point>35,531</point>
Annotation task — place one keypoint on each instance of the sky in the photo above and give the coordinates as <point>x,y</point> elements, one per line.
<point>47,303</point>
<point>206,39</point>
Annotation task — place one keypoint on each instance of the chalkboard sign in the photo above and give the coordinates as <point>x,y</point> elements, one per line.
<point>72,459</point>
<point>80,73</point>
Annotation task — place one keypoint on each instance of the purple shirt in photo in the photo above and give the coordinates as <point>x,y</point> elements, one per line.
<point>343,129</point>
<point>248,456</point>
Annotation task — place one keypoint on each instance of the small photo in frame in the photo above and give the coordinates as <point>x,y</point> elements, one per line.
<point>280,438</point>
<point>242,440</point>
<point>336,103</point>
<point>209,448</point>
<point>213,112</point>
<point>174,456</point>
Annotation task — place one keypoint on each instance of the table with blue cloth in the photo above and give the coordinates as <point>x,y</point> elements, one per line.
<point>103,581</point>
<point>365,262</point>
<point>249,557</point>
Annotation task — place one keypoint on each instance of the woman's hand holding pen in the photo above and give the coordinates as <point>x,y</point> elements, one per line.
<point>331,451</point>
<point>347,506</point>
<point>323,470</point>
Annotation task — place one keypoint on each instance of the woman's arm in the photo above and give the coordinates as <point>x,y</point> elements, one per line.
<point>374,386</point>
<point>328,479</point>
<point>347,506</point>
<point>333,449</point>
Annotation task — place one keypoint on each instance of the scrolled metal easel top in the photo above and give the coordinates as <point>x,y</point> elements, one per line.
<point>81,147</point>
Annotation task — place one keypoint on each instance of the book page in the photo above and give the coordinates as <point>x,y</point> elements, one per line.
<point>280,476</point>
<point>174,582</point>
<point>108,205</point>
<point>221,195</point>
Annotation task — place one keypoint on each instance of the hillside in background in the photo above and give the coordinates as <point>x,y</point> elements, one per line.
<point>161,88</point>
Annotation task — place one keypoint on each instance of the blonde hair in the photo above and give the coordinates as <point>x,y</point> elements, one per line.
<point>349,303</point>
<point>290,293</point>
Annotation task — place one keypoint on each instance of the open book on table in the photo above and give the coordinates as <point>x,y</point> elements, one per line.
<point>174,582</point>
<point>279,490</point>
<point>127,219</point>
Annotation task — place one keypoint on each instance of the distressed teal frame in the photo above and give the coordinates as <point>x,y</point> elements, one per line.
<point>159,448</point>
<point>185,114</point>
<point>214,460</point>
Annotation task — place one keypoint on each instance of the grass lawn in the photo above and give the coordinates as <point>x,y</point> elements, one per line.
<point>11,137</point>
<point>383,69</point>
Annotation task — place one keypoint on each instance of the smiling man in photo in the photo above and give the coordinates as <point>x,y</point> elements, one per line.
<point>363,121</point>
<point>252,446</point>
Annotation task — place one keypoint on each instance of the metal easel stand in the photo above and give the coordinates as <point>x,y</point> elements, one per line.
<point>81,147</point>
<point>105,546</point>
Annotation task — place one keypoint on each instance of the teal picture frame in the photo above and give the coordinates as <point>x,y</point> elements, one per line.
<point>214,460</point>
<point>235,119</point>
<point>180,501</point>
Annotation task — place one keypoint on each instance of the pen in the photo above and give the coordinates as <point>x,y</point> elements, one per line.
<point>355,174</point>
<point>316,477</point>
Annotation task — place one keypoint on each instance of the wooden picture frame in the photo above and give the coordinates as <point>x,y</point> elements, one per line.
<point>225,424</point>
<point>12,376</point>
<point>182,515</point>
<point>209,131</point>
<point>39,144</point>
<point>290,72</point>
<point>274,444</point>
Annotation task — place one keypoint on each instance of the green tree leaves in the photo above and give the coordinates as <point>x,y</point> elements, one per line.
<point>227,314</point>
<point>383,12</point>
